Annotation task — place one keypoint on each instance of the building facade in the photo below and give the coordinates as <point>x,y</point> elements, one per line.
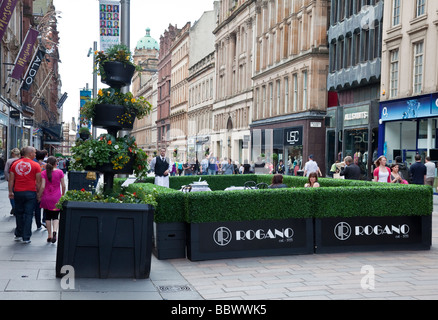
<point>164,86</point>
<point>201,83</point>
<point>355,44</point>
<point>234,46</point>
<point>179,93</point>
<point>290,79</point>
<point>409,97</point>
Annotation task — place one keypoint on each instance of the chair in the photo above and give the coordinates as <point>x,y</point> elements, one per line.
<point>262,185</point>
<point>250,185</point>
<point>187,188</point>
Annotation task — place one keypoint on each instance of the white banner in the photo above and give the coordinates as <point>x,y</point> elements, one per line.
<point>109,19</point>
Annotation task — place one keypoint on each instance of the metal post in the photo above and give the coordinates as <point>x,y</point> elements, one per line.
<point>125,25</point>
<point>94,130</point>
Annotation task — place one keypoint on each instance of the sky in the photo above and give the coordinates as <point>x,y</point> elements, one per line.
<point>78,28</point>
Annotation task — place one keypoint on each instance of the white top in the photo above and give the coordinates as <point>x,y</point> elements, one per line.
<point>310,166</point>
<point>383,176</point>
<point>430,166</point>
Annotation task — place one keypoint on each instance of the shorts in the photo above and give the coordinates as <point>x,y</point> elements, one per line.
<point>51,215</point>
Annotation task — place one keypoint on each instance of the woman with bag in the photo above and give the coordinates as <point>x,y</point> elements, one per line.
<point>396,175</point>
<point>49,195</point>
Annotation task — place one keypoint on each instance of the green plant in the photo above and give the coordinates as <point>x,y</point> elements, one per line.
<point>117,53</point>
<point>108,149</point>
<point>138,196</point>
<point>139,107</point>
<point>84,130</point>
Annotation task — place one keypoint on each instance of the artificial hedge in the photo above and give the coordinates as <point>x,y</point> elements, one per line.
<point>335,198</point>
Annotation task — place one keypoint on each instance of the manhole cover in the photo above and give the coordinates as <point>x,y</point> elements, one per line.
<point>174,288</point>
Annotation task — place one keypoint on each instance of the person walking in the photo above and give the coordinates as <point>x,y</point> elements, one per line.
<point>382,173</point>
<point>15,155</point>
<point>396,175</point>
<point>52,189</point>
<point>311,166</point>
<point>24,183</point>
<point>351,170</point>
<point>161,166</point>
<point>418,171</point>
<point>280,168</point>
<point>228,167</point>
<point>40,159</point>
<point>430,172</point>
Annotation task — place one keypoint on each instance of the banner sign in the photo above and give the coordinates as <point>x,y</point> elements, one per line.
<point>25,54</point>
<point>109,16</point>
<point>85,96</point>
<point>7,7</point>
<point>33,69</point>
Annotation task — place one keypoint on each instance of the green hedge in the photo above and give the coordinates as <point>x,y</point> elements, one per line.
<point>335,198</point>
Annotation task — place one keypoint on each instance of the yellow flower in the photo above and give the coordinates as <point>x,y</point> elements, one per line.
<point>133,100</point>
<point>100,92</point>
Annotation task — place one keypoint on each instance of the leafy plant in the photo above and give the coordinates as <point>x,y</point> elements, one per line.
<point>139,107</point>
<point>118,53</point>
<point>139,197</point>
<point>108,149</point>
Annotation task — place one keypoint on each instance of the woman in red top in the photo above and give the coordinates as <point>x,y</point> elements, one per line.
<point>382,173</point>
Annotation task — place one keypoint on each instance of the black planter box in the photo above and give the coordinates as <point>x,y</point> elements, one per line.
<point>117,74</point>
<point>241,239</point>
<point>105,240</point>
<point>112,117</point>
<point>169,240</point>
<point>373,234</point>
<point>77,181</point>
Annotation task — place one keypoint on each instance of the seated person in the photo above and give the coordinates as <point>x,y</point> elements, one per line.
<point>277,182</point>
<point>313,181</point>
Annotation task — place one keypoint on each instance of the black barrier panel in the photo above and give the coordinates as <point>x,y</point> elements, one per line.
<point>236,239</point>
<point>373,233</point>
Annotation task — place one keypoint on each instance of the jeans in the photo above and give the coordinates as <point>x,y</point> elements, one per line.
<point>24,209</point>
<point>211,172</point>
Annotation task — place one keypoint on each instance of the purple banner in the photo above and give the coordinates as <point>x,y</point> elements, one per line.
<point>6,9</point>
<point>25,54</point>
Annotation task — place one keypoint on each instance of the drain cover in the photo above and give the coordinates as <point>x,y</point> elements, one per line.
<point>174,288</point>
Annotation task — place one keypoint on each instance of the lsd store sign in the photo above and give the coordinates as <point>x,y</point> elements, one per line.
<point>109,19</point>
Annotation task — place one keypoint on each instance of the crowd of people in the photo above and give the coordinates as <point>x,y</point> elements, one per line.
<point>35,183</point>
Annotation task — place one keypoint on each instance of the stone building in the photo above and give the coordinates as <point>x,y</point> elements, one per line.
<point>234,46</point>
<point>179,92</point>
<point>290,80</point>
<point>355,44</point>
<point>409,87</point>
<point>201,83</point>
<point>164,86</point>
<point>145,84</point>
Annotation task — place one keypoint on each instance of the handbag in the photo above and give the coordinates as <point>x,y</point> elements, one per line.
<point>91,175</point>
<point>338,176</point>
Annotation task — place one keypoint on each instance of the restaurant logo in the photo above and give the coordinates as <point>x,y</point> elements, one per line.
<point>222,236</point>
<point>343,230</point>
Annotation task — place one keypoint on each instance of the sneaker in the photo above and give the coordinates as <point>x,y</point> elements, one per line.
<point>12,212</point>
<point>18,238</point>
<point>26,241</point>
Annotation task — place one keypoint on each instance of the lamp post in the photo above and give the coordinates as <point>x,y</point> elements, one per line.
<point>125,37</point>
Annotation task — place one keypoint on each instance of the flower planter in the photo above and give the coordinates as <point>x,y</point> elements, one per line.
<point>77,180</point>
<point>112,117</point>
<point>84,136</point>
<point>105,240</point>
<point>169,240</point>
<point>241,239</point>
<point>117,74</point>
<point>109,167</point>
<point>373,234</point>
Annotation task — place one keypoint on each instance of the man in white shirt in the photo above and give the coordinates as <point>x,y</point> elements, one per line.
<point>162,167</point>
<point>311,166</point>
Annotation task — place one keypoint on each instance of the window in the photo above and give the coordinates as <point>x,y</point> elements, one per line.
<point>395,12</point>
<point>278,96</point>
<point>418,67</point>
<point>295,106</point>
<point>271,98</point>
<point>394,73</point>
<point>264,102</point>
<point>421,7</point>
<point>305,90</point>
<point>286,95</point>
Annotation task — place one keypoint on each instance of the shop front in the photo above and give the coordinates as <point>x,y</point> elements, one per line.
<point>407,127</point>
<point>352,131</point>
<point>291,142</point>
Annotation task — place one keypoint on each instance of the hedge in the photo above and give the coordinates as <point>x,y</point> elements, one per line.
<point>335,198</point>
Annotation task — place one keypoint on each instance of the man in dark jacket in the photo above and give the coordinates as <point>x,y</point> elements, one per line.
<point>351,170</point>
<point>418,171</point>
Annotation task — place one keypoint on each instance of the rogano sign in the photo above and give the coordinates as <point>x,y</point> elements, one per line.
<point>343,230</point>
<point>222,236</point>
<point>228,239</point>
